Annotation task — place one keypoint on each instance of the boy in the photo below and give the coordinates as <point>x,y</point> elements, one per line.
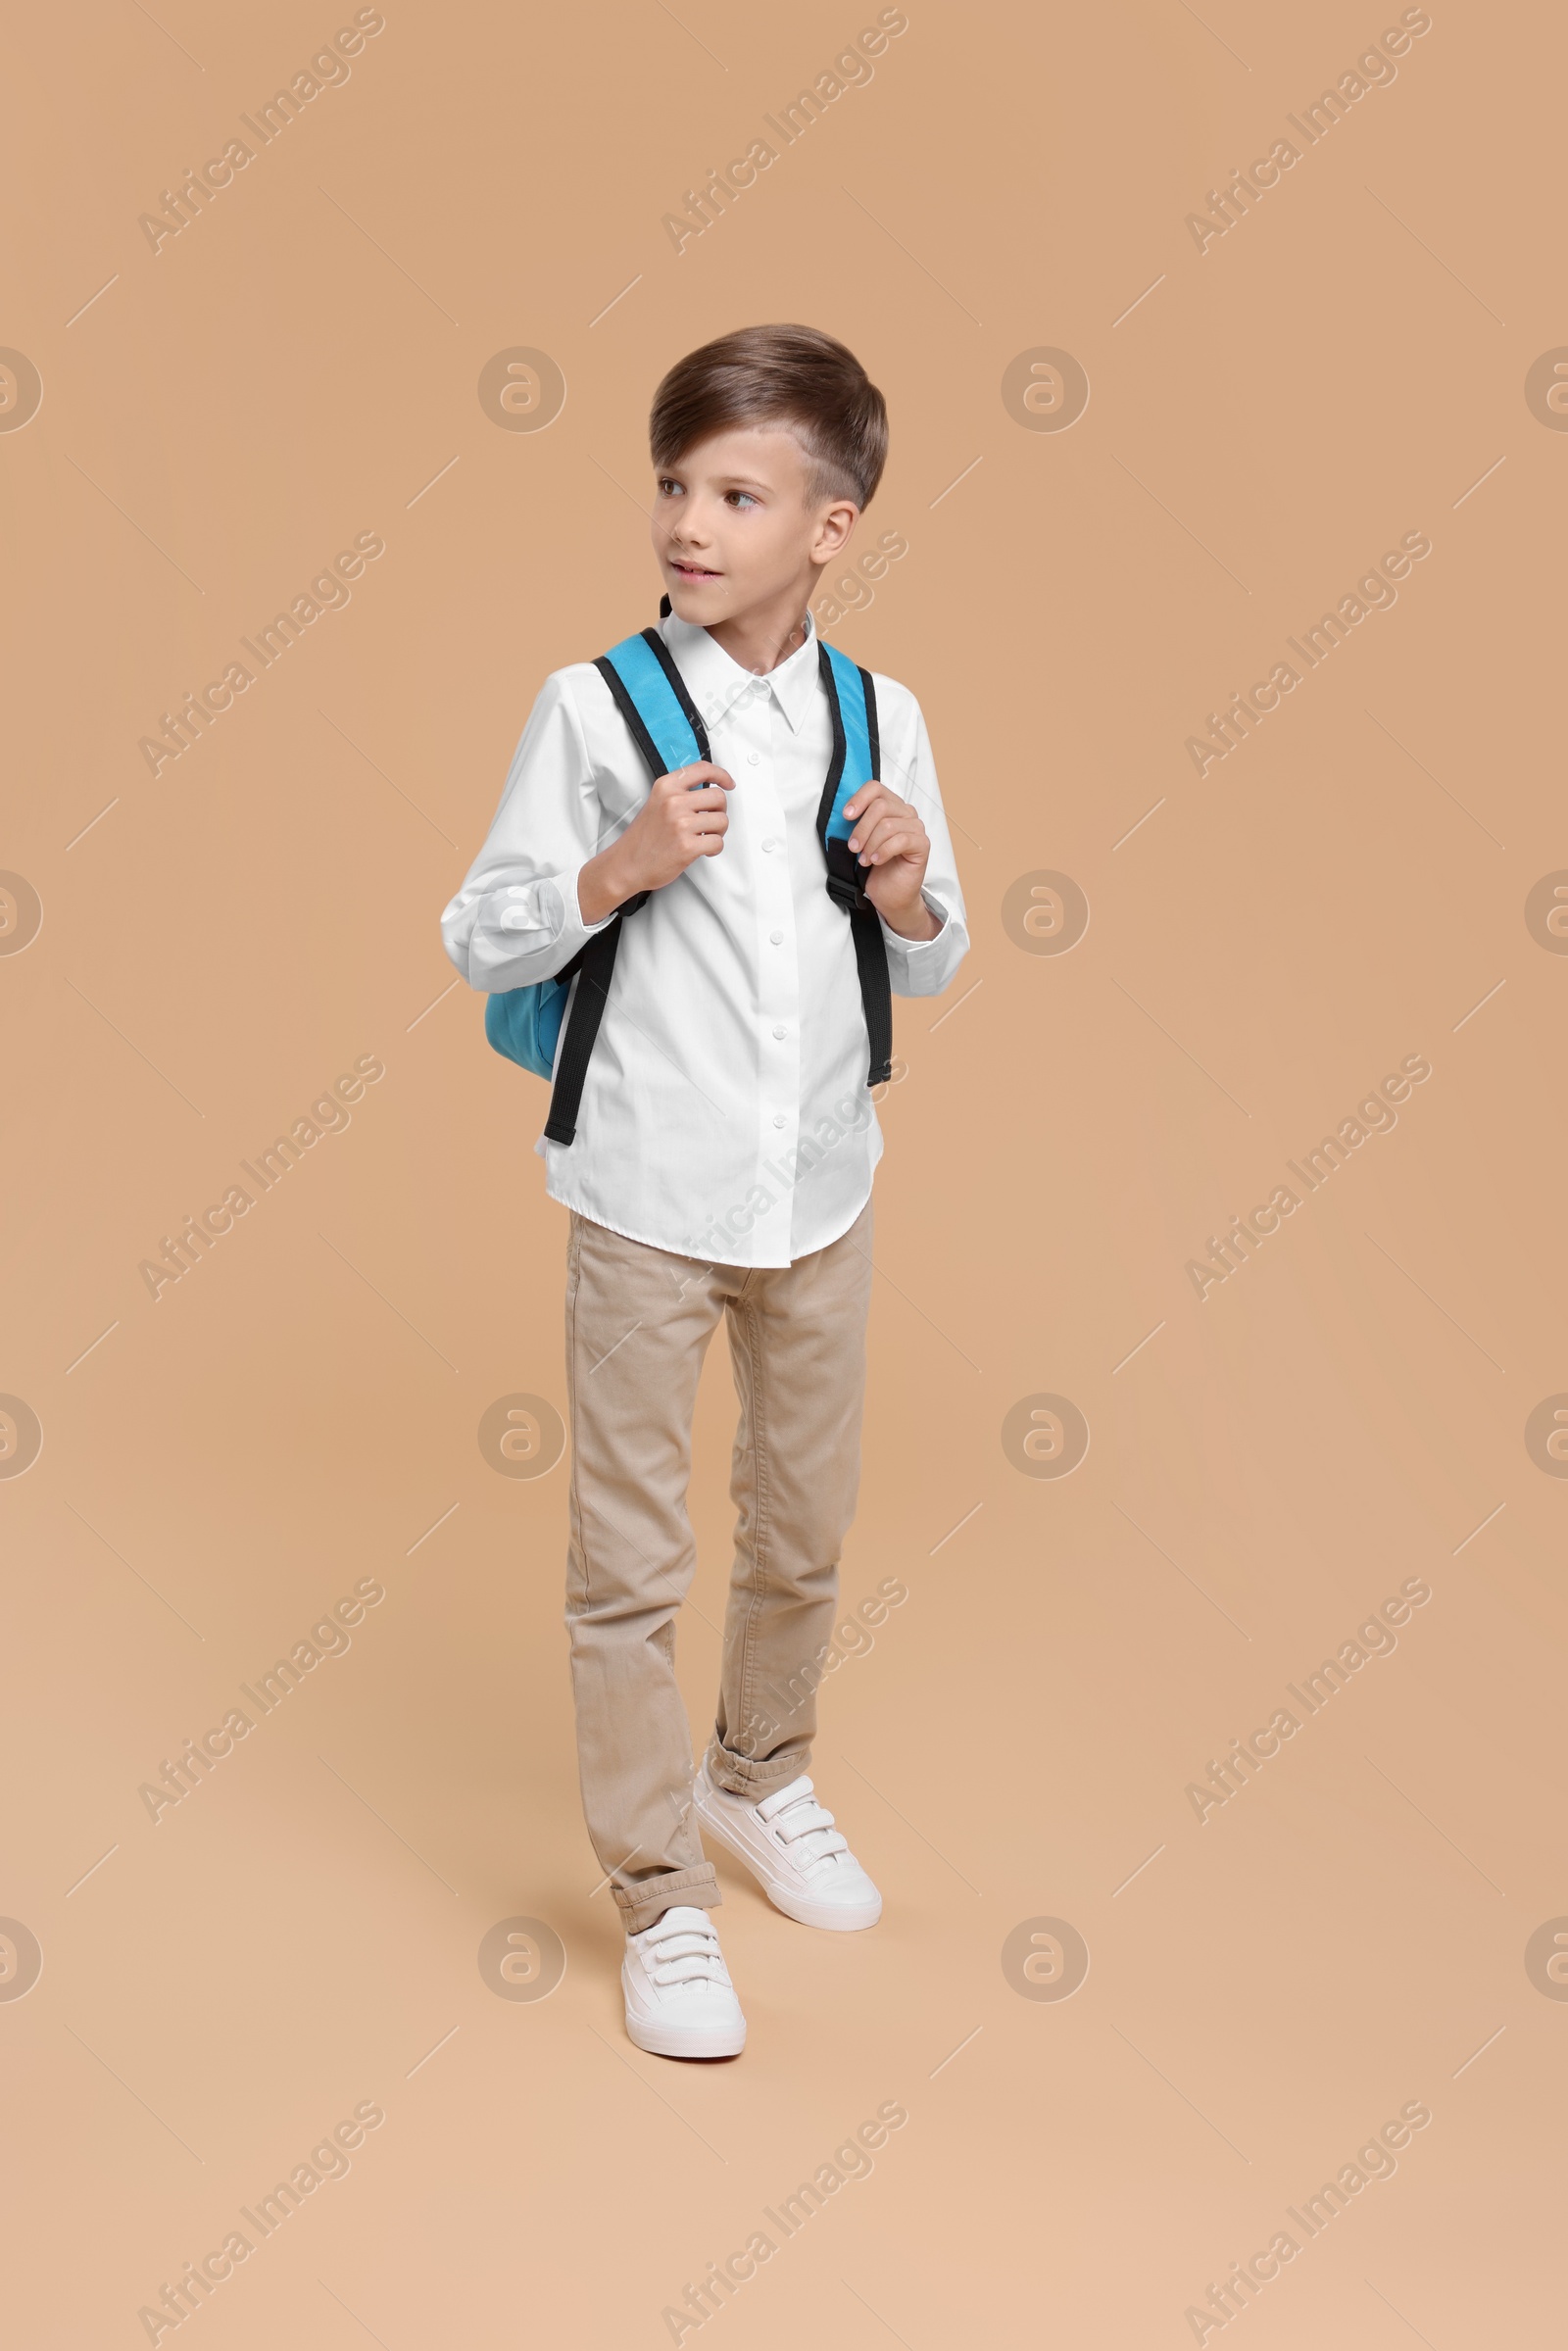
<point>725,1142</point>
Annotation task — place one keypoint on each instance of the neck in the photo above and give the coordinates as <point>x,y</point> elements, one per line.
<point>760,640</point>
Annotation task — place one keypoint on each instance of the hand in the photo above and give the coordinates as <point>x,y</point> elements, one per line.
<point>683,818</point>
<point>895,848</point>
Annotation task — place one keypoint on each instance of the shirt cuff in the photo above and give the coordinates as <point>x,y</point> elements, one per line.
<point>916,947</point>
<point>539,926</point>
<point>567,886</point>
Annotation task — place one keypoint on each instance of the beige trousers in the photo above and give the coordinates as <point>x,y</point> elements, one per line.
<point>638,1323</point>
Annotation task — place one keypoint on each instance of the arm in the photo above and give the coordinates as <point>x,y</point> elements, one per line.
<point>517,919</point>
<point>548,876</point>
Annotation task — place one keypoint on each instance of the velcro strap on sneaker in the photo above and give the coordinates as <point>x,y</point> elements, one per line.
<point>794,1814</point>
<point>698,1967</point>
<point>799,1792</point>
<point>678,1953</point>
<point>681,1945</point>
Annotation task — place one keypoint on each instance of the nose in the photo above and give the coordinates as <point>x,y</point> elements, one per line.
<point>686,527</point>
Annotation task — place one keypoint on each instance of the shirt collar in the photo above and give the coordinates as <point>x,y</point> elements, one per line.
<point>714,680</point>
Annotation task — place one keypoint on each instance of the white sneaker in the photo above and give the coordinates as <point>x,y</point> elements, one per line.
<point>789,1846</point>
<point>679,1999</point>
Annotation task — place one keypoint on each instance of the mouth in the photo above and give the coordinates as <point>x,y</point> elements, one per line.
<point>692,572</point>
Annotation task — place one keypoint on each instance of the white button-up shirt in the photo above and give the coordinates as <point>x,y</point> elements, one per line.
<point>725,1113</point>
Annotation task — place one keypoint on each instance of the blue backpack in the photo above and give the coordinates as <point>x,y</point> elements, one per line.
<point>525,1024</point>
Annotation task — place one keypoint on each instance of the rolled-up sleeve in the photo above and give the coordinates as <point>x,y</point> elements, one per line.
<point>516,919</point>
<point>925,966</point>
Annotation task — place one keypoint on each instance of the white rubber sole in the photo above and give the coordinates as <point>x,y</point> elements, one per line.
<point>682,2041</point>
<point>685,2041</point>
<point>839,1918</point>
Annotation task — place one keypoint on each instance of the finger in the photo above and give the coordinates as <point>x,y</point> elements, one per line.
<point>867,798</point>
<point>891,836</point>
<point>875,812</point>
<point>900,847</point>
<point>701,772</point>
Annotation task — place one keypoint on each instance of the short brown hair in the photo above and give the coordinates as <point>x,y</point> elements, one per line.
<point>792,375</point>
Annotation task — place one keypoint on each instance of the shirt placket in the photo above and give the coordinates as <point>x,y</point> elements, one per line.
<point>778,989</point>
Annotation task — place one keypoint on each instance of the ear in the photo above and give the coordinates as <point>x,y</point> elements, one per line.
<point>834,524</point>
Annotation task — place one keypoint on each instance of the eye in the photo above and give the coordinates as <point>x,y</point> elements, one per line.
<point>668,488</point>
<point>743,496</point>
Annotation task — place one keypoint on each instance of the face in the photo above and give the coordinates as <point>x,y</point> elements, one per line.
<point>735,530</point>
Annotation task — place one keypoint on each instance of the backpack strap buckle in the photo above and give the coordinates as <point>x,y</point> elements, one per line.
<point>846,877</point>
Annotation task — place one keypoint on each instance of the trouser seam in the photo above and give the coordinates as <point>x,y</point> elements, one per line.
<point>762,1523</point>
<point>578,1515</point>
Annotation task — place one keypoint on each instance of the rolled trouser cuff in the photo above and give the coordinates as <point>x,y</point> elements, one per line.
<point>744,1778</point>
<point>693,1889</point>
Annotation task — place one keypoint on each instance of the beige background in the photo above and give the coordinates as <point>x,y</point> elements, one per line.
<point>301,1412</point>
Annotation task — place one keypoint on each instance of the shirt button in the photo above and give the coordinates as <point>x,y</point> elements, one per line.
<point>779,1119</point>
<point>777,938</point>
<point>768,845</point>
<point>754,759</point>
<point>781,1032</point>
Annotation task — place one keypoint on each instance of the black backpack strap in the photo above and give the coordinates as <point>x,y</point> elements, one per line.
<point>593,964</point>
<point>677,686</point>
<point>876,992</point>
<point>630,713</point>
<point>595,960</point>
<point>846,881</point>
<point>872,951</point>
<point>871,726</point>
